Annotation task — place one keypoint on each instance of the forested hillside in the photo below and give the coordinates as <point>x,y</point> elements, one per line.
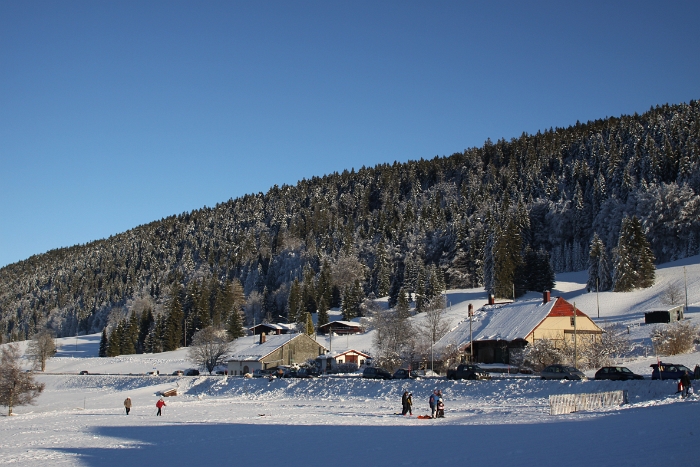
<point>477,218</point>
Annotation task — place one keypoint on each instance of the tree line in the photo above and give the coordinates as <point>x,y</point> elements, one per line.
<point>504,216</point>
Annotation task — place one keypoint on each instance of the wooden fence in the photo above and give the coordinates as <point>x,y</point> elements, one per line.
<point>567,403</point>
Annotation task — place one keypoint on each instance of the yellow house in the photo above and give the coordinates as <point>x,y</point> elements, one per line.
<point>498,330</point>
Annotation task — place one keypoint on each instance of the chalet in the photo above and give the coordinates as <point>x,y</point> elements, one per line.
<point>500,330</point>
<point>272,328</point>
<point>329,362</point>
<point>273,351</point>
<point>341,327</point>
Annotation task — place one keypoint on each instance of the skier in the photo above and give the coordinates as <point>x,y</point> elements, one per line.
<point>440,406</point>
<point>127,405</point>
<point>433,402</point>
<point>160,404</point>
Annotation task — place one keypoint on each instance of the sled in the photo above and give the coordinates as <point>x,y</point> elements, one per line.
<point>424,417</point>
<point>169,392</point>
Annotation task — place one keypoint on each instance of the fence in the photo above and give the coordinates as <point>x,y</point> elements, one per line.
<point>567,403</point>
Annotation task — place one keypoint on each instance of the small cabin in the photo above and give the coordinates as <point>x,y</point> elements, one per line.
<point>664,316</point>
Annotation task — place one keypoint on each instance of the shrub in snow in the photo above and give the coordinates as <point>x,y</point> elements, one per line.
<point>541,353</point>
<point>675,338</point>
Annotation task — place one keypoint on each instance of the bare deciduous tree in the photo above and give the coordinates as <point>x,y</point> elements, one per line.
<point>675,338</point>
<point>209,347</point>
<point>41,348</point>
<point>672,294</point>
<point>16,386</point>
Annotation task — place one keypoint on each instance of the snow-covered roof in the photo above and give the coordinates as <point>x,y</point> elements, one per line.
<point>351,324</point>
<point>258,351</point>
<point>506,322</point>
<point>280,326</point>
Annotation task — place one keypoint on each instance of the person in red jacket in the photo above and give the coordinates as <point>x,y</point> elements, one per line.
<point>160,404</point>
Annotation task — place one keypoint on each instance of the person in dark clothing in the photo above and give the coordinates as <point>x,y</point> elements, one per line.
<point>685,381</point>
<point>409,404</point>
<point>404,403</point>
<point>433,402</point>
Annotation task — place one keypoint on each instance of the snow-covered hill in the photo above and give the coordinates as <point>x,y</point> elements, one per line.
<point>79,419</point>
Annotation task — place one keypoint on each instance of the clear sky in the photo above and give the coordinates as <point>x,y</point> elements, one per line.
<point>115,114</point>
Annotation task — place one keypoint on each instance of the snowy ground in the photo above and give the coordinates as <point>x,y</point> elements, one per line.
<point>79,420</point>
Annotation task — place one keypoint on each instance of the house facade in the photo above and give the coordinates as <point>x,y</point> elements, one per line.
<point>273,351</point>
<point>501,330</point>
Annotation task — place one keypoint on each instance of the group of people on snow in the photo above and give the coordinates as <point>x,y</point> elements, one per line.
<point>436,403</point>
<point>159,405</point>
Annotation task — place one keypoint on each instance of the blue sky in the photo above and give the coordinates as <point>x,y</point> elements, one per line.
<point>115,114</point>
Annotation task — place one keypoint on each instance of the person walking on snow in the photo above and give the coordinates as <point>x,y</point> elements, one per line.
<point>685,382</point>
<point>404,403</point>
<point>160,404</point>
<point>433,402</point>
<point>127,405</point>
<point>440,406</point>
<point>409,404</point>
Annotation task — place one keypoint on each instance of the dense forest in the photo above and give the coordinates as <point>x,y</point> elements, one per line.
<point>504,216</point>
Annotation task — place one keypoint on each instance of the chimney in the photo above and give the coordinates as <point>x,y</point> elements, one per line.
<point>262,337</point>
<point>546,296</point>
<point>492,300</point>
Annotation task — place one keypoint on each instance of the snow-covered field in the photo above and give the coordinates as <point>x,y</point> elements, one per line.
<point>80,420</point>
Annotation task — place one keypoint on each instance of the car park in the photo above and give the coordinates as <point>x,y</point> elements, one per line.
<point>616,373</point>
<point>372,372</point>
<point>670,371</point>
<point>562,372</point>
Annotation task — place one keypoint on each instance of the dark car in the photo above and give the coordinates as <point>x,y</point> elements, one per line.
<point>192,372</point>
<point>372,372</point>
<point>468,371</point>
<point>670,371</point>
<point>178,373</point>
<point>84,372</point>
<point>562,372</point>
<point>403,373</point>
<point>616,373</point>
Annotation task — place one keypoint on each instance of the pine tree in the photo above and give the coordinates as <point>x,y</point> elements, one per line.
<point>322,317</point>
<point>234,325</point>
<point>309,329</point>
<point>104,343</point>
<point>173,324</point>
<point>294,304</point>
<point>634,260</point>
<point>598,267</point>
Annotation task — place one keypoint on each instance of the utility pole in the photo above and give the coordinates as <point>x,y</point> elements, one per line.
<point>597,300</point>
<point>575,350</point>
<point>471,345</point>
<point>685,279</point>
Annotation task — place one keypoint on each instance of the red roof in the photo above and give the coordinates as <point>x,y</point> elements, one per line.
<point>563,308</point>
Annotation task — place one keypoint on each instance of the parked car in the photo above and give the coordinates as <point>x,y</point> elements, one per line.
<point>562,372</point>
<point>307,373</point>
<point>372,372</point>
<point>153,373</point>
<point>468,371</point>
<point>178,373</point>
<point>263,373</point>
<point>192,372</point>
<point>84,372</point>
<point>403,373</point>
<point>670,371</point>
<point>616,373</point>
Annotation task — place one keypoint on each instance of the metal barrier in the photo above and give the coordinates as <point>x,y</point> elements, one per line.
<point>567,403</point>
